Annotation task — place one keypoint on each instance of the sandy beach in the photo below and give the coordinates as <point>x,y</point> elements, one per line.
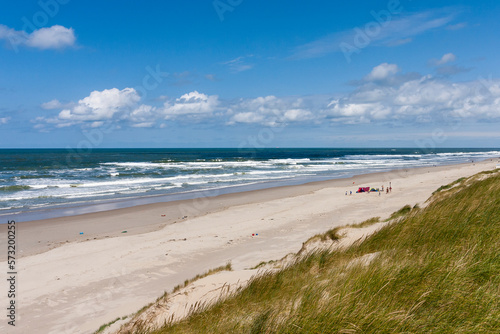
<point>69,282</point>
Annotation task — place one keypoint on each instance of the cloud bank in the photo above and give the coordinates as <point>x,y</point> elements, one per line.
<point>385,95</point>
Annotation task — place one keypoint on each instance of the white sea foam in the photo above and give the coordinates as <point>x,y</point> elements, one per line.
<point>290,161</point>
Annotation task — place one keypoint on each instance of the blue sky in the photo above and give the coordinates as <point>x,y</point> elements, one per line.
<point>241,73</point>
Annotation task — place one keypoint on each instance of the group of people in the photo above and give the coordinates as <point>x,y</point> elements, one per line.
<point>387,190</point>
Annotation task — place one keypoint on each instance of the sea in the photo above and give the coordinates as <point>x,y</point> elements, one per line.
<point>47,183</point>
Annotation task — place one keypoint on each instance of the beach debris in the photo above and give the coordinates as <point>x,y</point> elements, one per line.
<point>124,231</point>
<point>184,217</point>
<point>81,233</point>
<point>163,215</point>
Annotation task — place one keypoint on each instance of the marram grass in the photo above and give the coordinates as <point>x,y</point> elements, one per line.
<point>434,270</point>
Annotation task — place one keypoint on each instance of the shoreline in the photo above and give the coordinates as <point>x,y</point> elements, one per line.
<point>76,209</point>
<point>72,208</point>
<point>81,208</point>
<point>66,229</point>
<point>87,280</point>
<point>54,232</point>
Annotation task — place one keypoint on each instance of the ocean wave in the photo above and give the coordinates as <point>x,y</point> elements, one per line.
<point>289,161</point>
<point>14,188</point>
<point>36,176</point>
<point>381,156</point>
<point>475,154</point>
<point>189,164</point>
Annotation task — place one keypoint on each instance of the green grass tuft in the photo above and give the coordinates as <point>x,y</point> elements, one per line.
<point>400,213</point>
<point>366,223</point>
<point>227,267</point>
<point>103,327</point>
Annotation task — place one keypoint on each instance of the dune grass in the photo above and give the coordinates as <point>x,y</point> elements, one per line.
<point>434,270</point>
<point>103,327</point>
<point>365,223</point>
<point>227,267</point>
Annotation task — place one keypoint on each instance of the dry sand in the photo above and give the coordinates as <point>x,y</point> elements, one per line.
<point>72,283</point>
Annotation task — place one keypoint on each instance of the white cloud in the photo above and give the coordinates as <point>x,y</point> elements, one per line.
<point>418,100</point>
<point>13,36</point>
<point>247,117</point>
<point>93,110</point>
<point>4,120</point>
<point>101,105</point>
<point>239,64</point>
<point>443,67</point>
<point>53,104</point>
<point>114,105</point>
<point>143,116</point>
<point>382,71</point>
<point>445,59</point>
<point>55,37</point>
<point>392,30</point>
<point>269,111</point>
<point>143,125</point>
<point>193,103</point>
<point>210,77</point>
